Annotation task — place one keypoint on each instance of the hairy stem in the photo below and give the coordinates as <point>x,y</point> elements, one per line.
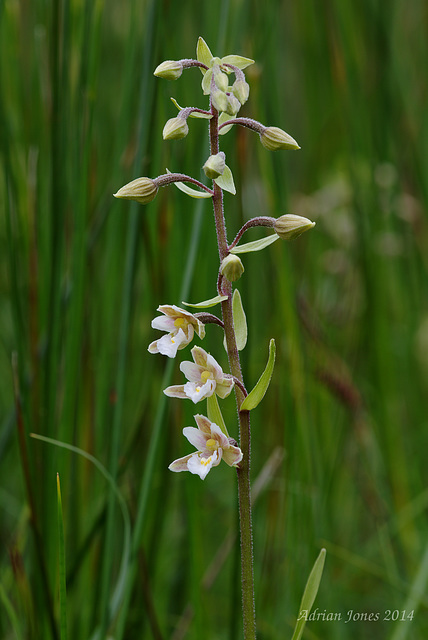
<point>244,487</point>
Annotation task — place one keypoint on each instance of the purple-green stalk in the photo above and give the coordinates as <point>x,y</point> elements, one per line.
<point>243,471</point>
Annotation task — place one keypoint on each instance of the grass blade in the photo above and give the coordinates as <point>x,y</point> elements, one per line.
<point>62,572</point>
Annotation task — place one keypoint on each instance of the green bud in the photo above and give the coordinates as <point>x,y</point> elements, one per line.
<point>215,165</point>
<point>170,70</point>
<point>231,267</point>
<point>142,190</point>
<point>175,129</point>
<point>221,80</point>
<point>274,138</point>
<point>289,227</point>
<point>233,105</point>
<point>219,100</point>
<point>241,90</point>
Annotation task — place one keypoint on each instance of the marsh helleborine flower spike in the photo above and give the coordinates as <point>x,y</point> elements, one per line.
<point>212,446</point>
<point>180,326</point>
<point>205,377</point>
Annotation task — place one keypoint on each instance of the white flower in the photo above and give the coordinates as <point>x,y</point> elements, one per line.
<point>213,446</point>
<point>205,377</point>
<point>180,326</point>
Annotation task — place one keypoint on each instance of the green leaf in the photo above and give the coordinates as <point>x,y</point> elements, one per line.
<point>194,114</point>
<point>309,595</point>
<point>256,395</point>
<point>237,61</point>
<point>214,413</point>
<point>62,573</point>
<point>206,303</point>
<point>225,181</point>
<point>239,322</point>
<point>193,193</point>
<point>224,117</point>
<point>203,53</point>
<point>257,245</point>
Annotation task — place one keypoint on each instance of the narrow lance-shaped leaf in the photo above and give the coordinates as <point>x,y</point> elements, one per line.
<point>225,181</point>
<point>206,303</point>
<point>239,322</point>
<point>224,117</point>
<point>256,395</point>
<point>193,193</point>
<point>215,414</point>
<point>257,245</point>
<point>194,114</point>
<point>309,595</point>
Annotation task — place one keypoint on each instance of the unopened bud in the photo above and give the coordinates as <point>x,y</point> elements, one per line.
<point>290,226</point>
<point>219,100</point>
<point>175,129</point>
<point>274,138</point>
<point>170,70</point>
<point>231,267</point>
<point>221,79</point>
<point>214,166</point>
<point>142,190</point>
<point>241,90</point>
<point>233,105</point>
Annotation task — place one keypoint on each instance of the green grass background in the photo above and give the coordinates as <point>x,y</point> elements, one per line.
<point>81,275</point>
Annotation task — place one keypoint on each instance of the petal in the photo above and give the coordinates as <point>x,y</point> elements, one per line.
<point>203,423</point>
<point>196,437</point>
<point>200,465</point>
<point>175,392</point>
<point>169,310</point>
<point>192,371</point>
<point>225,387</point>
<point>200,329</point>
<point>168,345</point>
<point>213,365</point>
<point>189,332</point>
<point>180,464</point>
<point>232,455</point>
<point>153,347</point>
<point>200,356</point>
<point>163,323</point>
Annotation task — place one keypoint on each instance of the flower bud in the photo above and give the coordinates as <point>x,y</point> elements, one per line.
<point>221,80</point>
<point>290,226</point>
<point>241,90</point>
<point>142,190</point>
<point>233,105</point>
<point>219,100</point>
<point>231,267</point>
<point>175,129</point>
<point>214,166</point>
<point>274,138</point>
<point>170,70</point>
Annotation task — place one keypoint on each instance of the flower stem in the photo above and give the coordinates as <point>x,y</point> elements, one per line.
<point>244,487</point>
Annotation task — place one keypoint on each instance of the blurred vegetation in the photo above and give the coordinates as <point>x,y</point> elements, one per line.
<point>342,433</point>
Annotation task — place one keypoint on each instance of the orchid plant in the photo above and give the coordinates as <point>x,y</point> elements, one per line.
<point>205,377</point>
